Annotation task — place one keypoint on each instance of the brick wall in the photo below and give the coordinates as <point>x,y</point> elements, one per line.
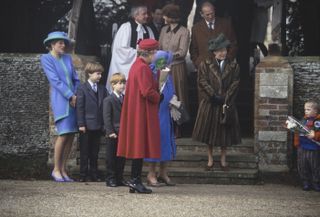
<point>282,85</point>
<point>273,100</point>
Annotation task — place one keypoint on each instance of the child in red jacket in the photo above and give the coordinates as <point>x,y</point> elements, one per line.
<point>309,149</point>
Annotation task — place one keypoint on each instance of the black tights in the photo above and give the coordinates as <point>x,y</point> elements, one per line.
<point>136,168</point>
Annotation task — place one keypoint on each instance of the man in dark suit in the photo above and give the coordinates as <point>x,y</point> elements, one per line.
<point>90,96</point>
<point>157,22</point>
<point>111,117</point>
<point>210,27</point>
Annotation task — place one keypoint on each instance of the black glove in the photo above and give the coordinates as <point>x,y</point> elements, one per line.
<point>161,98</point>
<point>217,100</point>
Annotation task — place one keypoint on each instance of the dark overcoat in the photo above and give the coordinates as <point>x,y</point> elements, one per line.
<point>213,126</point>
<point>201,35</point>
<point>89,106</point>
<point>111,114</point>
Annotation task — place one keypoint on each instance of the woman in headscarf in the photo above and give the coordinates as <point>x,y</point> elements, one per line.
<point>160,69</point>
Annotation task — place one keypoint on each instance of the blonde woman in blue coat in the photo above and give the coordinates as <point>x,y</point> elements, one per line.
<point>63,80</point>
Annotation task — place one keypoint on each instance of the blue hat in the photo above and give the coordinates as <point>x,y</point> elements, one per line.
<point>161,60</point>
<point>56,36</point>
<point>166,56</point>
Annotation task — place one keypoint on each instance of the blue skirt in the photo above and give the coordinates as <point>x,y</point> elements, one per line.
<point>67,124</point>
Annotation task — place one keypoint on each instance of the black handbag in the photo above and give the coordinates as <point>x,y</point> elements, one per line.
<point>185,117</point>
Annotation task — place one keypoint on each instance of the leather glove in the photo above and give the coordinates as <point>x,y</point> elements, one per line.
<point>217,100</point>
<point>161,97</point>
<point>174,101</point>
<point>175,114</point>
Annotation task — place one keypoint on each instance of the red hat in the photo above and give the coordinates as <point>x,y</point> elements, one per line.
<point>148,44</point>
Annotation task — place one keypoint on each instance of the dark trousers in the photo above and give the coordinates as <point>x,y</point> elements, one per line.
<point>89,150</point>
<point>115,165</point>
<point>309,165</point>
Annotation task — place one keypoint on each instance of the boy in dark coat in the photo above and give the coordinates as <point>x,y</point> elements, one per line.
<point>111,116</point>
<point>90,96</point>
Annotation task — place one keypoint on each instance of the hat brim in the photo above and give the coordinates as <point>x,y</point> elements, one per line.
<point>47,41</point>
<point>224,44</point>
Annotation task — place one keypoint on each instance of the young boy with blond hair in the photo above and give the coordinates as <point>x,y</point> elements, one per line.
<point>111,116</point>
<point>308,149</point>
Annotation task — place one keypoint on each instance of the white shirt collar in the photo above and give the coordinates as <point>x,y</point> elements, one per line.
<point>115,93</point>
<point>209,22</point>
<point>91,83</point>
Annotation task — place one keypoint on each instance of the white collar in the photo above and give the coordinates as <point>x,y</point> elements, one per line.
<point>209,22</point>
<point>91,83</point>
<point>140,27</point>
<point>117,95</point>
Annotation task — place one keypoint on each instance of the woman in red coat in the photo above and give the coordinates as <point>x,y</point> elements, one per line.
<point>139,134</point>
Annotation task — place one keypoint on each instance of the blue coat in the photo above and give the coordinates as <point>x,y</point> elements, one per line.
<point>168,145</point>
<point>63,81</point>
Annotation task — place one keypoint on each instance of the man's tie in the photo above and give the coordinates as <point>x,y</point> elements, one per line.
<point>211,25</point>
<point>121,98</point>
<point>94,87</point>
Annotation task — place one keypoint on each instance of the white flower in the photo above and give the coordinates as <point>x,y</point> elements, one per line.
<point>290,125</point>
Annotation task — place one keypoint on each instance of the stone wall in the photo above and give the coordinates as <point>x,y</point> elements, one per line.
<point>27,130</point>
<point>24,128</point>
<point>306,81</point>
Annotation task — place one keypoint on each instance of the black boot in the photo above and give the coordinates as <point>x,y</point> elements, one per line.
<point>136,185</point>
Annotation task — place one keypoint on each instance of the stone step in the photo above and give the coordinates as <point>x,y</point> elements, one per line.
<point>190,160</point>
<point>196,175</point>
<point>187,144</point>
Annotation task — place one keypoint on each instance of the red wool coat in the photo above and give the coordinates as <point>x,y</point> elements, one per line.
<point>139,134</point>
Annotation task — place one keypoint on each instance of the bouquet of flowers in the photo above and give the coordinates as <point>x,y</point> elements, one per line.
<point>295,126</point>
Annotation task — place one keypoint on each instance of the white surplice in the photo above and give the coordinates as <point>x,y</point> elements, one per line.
<point>122,54</point>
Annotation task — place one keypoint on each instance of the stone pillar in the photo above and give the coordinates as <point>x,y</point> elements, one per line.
<point>273,100</point>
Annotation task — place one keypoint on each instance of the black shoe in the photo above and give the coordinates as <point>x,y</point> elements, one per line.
<point>136,185</point>
<point>122,183</point>
<point>316,187</point>
<point>82,179</point>
<point>94,178</point>
<point>306,186</point>
<point>111,183</point>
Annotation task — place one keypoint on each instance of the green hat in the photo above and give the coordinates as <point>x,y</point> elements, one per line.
<point>217,43</point>
<point>57,36</point>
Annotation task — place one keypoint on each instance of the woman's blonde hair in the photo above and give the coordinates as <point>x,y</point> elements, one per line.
<point>92,67</point>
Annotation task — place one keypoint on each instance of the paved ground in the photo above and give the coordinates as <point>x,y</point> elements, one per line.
<point>46,198</point>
